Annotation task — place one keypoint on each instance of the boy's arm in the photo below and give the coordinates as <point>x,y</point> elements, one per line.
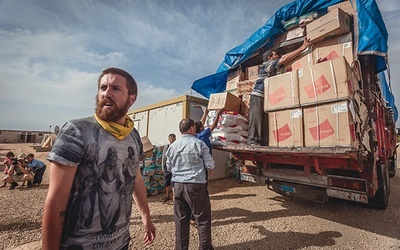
<point>291,55</point>
<point>204,117</point>
<point>216,120</point>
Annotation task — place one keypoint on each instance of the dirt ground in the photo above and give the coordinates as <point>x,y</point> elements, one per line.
<point>244,216</point>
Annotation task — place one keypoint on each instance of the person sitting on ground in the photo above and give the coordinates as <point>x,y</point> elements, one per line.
<point>7,164</point>
<point>19,172</point>
<point>38,167</point>
<point>205,133</point>
<point>167,174</point>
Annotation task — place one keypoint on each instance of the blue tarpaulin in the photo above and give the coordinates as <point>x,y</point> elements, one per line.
<point>372,39</point>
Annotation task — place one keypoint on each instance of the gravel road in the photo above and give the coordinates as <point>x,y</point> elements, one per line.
<point>245,216</point>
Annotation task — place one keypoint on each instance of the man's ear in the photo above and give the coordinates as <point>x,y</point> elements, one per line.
<point>132,99</point>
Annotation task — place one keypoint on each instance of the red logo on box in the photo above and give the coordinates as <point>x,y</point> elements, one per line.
<point>322,131</point>
<point>282,133</point>
<point>320,86</point>
<point>296,65</point>
<point>331,56</point>
<point>277,96</point>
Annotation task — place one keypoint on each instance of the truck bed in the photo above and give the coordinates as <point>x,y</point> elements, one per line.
<point>336,152</point>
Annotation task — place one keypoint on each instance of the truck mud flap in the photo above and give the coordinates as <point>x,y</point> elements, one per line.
<point>304,192</point>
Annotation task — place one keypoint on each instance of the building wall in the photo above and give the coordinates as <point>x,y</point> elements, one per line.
<point>164,121</point>
<point>21,136</point>
<point>159,120</point>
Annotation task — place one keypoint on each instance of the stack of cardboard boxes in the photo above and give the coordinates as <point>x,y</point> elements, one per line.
<point>310,103</point>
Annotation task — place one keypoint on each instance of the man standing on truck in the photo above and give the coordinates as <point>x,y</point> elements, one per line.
<point>257,117</point>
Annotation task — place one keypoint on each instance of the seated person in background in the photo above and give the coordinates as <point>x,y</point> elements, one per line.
<point>38,168</point>
<point>19,172</point>
<point>7,164</point>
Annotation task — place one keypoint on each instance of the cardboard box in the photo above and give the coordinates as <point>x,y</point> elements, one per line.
<point>329,125</point>
<point>295,33</point>
<point>252,72</point>
<point>332,24</point>
<point>245,106</point>
<point>233,79</point>
<point>330,50</point>
<point>285,128</point>
<point>310,57</point>
<point>148,147</point>
<point>246,87</point>
<point>281,91</point>
<point>242,88</point>
<point>345,6</point>
<point>326,81</point>
<point>225,100</point>
<point>304,60</point>
<point>234,91</point>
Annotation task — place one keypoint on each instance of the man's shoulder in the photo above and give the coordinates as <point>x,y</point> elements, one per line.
<point>89,119</point>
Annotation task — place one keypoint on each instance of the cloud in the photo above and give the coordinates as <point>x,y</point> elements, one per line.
<point>53,51</point>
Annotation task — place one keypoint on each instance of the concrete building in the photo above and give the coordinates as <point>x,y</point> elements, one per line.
<point>22,136</point>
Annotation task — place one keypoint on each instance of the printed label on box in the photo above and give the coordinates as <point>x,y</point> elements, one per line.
<point>347,45</point>
<point>296,113</point>
<point>300,73</point>
<point>339,108</point>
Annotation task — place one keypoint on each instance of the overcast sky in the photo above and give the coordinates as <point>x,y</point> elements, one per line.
<point>52,51</point>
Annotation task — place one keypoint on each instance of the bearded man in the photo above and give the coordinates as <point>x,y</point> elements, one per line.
<point>90,147</point>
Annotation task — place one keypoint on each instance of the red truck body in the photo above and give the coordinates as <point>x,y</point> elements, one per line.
<point>359,173</point>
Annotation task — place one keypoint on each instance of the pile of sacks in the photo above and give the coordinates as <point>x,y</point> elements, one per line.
<point>232,128</point>
<point>152,172</point>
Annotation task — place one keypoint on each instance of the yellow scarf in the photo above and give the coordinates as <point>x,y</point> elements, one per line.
<point>117,130</point>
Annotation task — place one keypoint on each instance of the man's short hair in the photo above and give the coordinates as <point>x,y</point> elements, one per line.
<point>185,125</point>
<point>172,135</point>
<point>267,54</point>
<point>130,82</point>
<point>30,155</point>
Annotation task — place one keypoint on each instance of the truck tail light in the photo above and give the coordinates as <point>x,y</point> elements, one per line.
<point>353,184</point>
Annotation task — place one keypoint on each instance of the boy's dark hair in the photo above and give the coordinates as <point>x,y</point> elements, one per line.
<point>30,155</point>
<point>198,125</point>
<point>185,125</point>
<point>10,154</point>
<point>172,135</point>
<point>268,54</point>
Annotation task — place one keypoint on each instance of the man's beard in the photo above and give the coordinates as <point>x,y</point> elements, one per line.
<point>112,114</point>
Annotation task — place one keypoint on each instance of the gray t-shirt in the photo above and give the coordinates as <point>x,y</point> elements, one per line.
<point>100,202</point>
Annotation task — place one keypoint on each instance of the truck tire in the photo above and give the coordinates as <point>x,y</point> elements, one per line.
<point>381,198</point>
<point>392,165</point>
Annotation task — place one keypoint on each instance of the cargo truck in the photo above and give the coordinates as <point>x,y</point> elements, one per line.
<point>356,166</point>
